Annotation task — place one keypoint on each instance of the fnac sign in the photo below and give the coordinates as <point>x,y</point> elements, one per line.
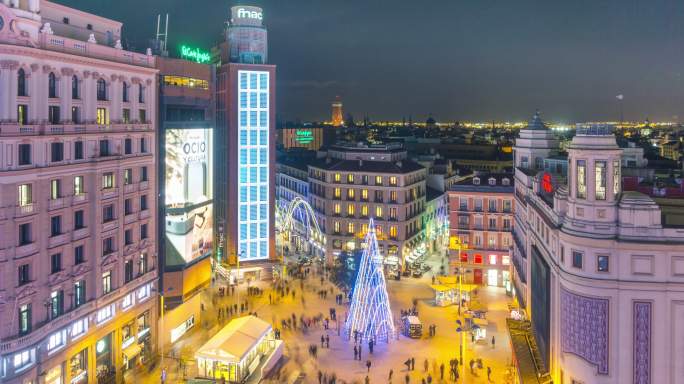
<point>247,15</point>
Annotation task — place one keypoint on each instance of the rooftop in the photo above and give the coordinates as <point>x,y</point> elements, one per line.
<point>403,166</point>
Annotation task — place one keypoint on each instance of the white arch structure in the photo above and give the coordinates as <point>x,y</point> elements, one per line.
<point>286,220</point>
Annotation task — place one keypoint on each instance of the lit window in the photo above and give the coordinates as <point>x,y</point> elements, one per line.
<point>350,194</point>
<point>492,259</point>
<point>22,359</point>
<point>350,228</point>
<point>505,260</point>
<point>581,179</point>
<point>364,194</point>
<point>350,210</point>
<point>393,180</point>
<point>337,193</point>
<point>378,211</point>
<point>600,175</point>
<point>79,327</point>
<point>127,301</point>
<point>337,177</point>
<point>56,341</point>
<point>478,259</point>
<point>364,210</point>
<point>378,180</point>
<point>25,195</point>
<point>393,232</point>
<point>350,178</point>
<point>337,208</point>
<point>616,177</point>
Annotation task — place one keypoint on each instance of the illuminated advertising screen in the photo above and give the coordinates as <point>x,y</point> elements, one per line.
<point>188,195</point>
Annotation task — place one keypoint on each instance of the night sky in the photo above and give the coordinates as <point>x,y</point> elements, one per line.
<point>456,59</point>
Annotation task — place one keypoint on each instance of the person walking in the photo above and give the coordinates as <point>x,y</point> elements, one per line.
<point>493,342</point>
<point>320,377</point>
<point>368,365</point>
<point>356,352</point>
<point>489,374</point>
<point>413,363</point>
<point>359,352</point>
<point>407,378</point>
<point>441,371</point>
<point>370,346</point>
<point>367,380</point>
<point>327,341</point>
<point>389,378</point>
<point>322,341</point>
<point>425,365</point>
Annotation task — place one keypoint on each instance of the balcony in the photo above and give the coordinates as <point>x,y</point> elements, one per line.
<point>25,250</point>
<point>98,51</point>
<point>110,225</point>
<point>58,240</point>
<point>130,218</point>
<point>57,203</point>
<point>128,188</point>
<point>80,233</point>
<point>109,193</point>
<point>80,198</point>
<point>25,210</point>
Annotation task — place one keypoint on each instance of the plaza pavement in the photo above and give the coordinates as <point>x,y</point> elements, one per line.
<point>338,359</point>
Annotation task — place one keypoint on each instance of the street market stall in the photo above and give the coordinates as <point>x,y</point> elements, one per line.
<point>236,351</point>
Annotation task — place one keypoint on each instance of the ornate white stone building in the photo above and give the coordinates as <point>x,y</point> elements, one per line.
<point>599,274</point>
<point>77,197</point>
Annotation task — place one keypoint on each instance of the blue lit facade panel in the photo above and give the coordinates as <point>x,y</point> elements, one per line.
<point>253,160</point>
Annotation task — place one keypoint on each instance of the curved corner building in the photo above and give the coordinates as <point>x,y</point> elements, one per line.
<point>599,270</point>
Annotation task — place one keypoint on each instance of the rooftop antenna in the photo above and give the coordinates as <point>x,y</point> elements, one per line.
<point>162,43</point>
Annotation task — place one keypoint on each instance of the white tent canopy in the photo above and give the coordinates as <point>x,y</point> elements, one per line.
<point>232,343</point>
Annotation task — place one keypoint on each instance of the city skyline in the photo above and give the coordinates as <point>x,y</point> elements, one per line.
<point>494,61</point>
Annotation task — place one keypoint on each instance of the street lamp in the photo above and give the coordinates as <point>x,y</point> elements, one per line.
<point>456,244</point>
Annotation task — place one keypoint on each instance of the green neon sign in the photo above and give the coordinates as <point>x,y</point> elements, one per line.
<point>303,136</point>
<point>194,54</point>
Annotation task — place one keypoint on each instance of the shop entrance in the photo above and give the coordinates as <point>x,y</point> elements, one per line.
<point>493,277</point>
<point>477,276</point>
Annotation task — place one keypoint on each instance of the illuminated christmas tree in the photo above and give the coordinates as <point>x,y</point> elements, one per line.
<point>370,317</point>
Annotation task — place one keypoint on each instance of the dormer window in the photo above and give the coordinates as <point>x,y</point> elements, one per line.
<point>505,181</point>
<point>492,181</point>
<point>89,27</point>
<point>65,20</point>
<point>476,180</point>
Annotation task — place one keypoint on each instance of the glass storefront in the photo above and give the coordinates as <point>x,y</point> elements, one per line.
<point>78,367</point>
<point>55,375</point>
<point>104,362</point>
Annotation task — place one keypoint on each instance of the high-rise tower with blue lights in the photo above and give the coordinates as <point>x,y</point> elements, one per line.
<point>245,140</point>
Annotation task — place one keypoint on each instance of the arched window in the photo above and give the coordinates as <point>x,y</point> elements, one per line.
<point>52,85</point>
<point>124,88</point>
<point>21,82</point>
<point>101,90</point>
<point>141,93</point>
<point>74,88</point>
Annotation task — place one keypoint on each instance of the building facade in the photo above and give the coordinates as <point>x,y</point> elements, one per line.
<point>353,184</point>
<point>597,269</point>
<point>245,142</point>
<point>481,216</point>
<point>307,137</point>
<point>185,156</point>
<point>78,262</point>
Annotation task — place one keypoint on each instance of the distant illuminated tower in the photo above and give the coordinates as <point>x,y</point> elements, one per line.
<point>337,112</point>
